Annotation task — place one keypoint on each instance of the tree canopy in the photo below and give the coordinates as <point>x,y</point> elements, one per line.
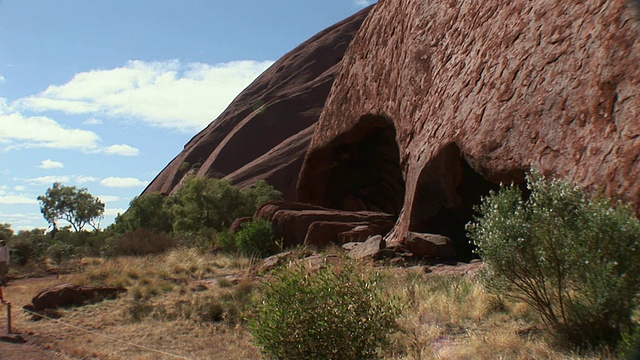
<point>76,206</point>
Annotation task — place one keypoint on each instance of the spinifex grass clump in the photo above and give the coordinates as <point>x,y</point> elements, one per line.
<point>574,257</point>
<point>332,313</point>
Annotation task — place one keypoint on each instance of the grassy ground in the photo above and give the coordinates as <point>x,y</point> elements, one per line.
<point>192,306</point>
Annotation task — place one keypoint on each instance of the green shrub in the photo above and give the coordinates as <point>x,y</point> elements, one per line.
<point>59,252</point>
<point>629,347</point>
<point>575,258</point>
<point>332,313</point>
<point>255,238</point>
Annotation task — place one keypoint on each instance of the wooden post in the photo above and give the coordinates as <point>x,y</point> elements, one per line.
<point>9,318</point>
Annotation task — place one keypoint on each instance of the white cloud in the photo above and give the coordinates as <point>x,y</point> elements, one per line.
<point>92,121</point>
<point>363,3</point>
<point>17,130</point>
<point>17,200</point>
<point>44,180</point>
<point>163,94</point>
<point>123,150</point>
<point>84,179</point>
<point>50,164</point>
<point>19,188</point>
<point>120,182</point>
<point>108,198</point>
<point>64,179</point>
<point>2,79</point>
<point>114,212</point>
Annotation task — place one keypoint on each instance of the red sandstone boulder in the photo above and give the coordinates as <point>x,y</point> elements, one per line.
<point>293,225</point>
<point>430,245</point>
<point>236,225</point>
<point>265,131</point>
<point>72,295</point>
<point>269,209</point>
<point>368,249</point>
<point>323,233</point>
<point>438,101</point>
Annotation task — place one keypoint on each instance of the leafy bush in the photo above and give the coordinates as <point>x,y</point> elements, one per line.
<point>629,346</point>
<point>145,211</point>
<point>29,246</point>
<point>255,238</point>
<point>58,252</point>
<point>575,258</point>
<point>333,313</point>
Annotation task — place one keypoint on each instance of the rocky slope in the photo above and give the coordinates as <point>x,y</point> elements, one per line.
<point>265,131</point>
<point>438,101</point>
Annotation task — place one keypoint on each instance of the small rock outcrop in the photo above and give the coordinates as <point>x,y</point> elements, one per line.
<point>299,224</point>
<point>265,131</point>
<point>66,295</point>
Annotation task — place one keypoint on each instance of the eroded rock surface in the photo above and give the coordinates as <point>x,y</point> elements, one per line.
<point>438,101</point>
<point>266,130</point>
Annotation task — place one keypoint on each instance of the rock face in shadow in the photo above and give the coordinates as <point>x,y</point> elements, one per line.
<point>439,101</point>
<point>265,131</point>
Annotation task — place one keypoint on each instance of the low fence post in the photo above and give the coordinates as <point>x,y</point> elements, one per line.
<point>8,318</point>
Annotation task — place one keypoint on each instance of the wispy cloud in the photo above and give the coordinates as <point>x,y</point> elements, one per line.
<point>44,180</point>
<point>122,150</point>
<point>17,130</point>
<point>114,212</point>
<point>122,182</point>
<point>64,179</point>
<point>163,94</point>
<point>2,79</point>
<point>92,121</point>
<point>363,3</point>
<point>17,200</point>
<point>50,164</point>
<point>108,198</point>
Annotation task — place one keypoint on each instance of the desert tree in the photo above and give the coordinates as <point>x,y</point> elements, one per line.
<point>76,206</point>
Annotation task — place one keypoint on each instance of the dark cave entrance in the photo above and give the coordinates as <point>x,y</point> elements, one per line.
<point>447,190</point>
<point>365,171</point>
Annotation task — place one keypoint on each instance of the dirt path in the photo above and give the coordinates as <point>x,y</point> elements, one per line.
<point>22,343</point>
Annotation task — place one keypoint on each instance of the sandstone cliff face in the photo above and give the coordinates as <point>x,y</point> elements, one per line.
<point>438,101</point>
<point>266,130</point>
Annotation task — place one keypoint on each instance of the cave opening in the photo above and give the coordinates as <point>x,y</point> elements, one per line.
<point>448,189</point>
<point>365,171</point>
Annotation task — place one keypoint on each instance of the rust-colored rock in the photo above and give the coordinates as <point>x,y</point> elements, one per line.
<point>236,225</point>
<point>438,101</point>
<point>324,233</point>
<point>368,249</point>
<point>293,225</point>
<point>265,131</point>
<point>72,295</point>
<point>430,245</point>
<point>269,209</point>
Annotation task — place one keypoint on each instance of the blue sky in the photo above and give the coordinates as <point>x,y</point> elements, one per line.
<point>103,94</point>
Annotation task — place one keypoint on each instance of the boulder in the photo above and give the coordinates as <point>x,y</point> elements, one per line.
<point>437,102</point>
<point>362,232</point>
<point>323,233</point>
<point>65,295</point>
<point>294,226</point>
<point>368,249</point>
<point>264,133</point>
<point>269,209</point>
<point>430,245</point>
<point>236,225</point>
